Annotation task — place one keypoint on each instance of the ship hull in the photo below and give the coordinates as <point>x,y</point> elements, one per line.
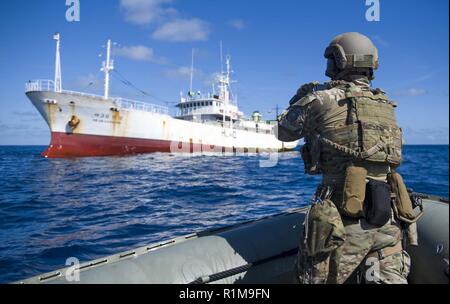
<point>66,145</point>
<point>106,128</point>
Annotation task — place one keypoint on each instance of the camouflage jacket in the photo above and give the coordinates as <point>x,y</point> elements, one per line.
<point>342,123</point>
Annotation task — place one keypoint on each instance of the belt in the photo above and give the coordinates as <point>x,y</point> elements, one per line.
<point>386,252</point>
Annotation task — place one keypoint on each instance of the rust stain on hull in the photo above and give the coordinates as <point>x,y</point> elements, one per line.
<point>51,114</point>
<point>116,121</point>
<point>119,122</point>
<point>124,124</point>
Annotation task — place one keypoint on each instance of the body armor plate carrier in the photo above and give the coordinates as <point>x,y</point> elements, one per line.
<point>357,128</point>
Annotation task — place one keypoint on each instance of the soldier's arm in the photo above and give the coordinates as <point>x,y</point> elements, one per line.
<point>292,123</point>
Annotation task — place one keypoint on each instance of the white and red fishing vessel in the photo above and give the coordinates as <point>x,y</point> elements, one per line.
<point>84,125</point>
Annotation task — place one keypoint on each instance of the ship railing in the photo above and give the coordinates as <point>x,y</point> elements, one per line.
<point>49,86</point>
<point>236,126</point>
<point>40,85</point>
<point>211,110</point>
<point>141,106</point>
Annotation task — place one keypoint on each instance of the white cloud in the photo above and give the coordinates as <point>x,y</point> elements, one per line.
<point>146,11</point>
<point>183,30</point>
<point>411,92</point>
<point>210,79</point>
<point>238,24</point>
<point>183,73</point>
<point>139,53</point>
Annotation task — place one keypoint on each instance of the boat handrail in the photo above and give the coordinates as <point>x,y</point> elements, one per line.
<point>44,85</point>
<point>141,106</point>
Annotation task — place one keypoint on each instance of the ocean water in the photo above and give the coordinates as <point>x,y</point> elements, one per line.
<point>90,208</point>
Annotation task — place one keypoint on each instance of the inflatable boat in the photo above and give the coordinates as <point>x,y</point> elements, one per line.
<point>257,252</point>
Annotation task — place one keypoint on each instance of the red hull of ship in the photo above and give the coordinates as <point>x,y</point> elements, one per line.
<point>77,145</point>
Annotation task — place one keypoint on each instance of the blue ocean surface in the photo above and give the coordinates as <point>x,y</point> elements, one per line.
<point>93,207</point>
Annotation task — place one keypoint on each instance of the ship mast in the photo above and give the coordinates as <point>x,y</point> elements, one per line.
<point>192,73</point>
<point>108,66</point>
<point>58,78</point>
<point>224,85</point>
<point>228,82</point>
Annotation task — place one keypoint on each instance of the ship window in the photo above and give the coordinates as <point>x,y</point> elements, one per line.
<point>203,104</point>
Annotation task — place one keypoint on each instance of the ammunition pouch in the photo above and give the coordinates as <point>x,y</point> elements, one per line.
<point>354,192</point>
<point>401,201</point>
<point>377,204</point>
<point>411,235</point>
<point>311,155</point>
<point>324,229</point>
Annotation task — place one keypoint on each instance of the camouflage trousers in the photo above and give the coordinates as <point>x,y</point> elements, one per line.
<point>353,257</point>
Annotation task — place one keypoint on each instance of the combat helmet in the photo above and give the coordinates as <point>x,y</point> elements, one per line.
<point>351,53</point>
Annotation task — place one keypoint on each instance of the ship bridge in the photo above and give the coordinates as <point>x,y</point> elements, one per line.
<point>207,108</point>
<point>213,107</point>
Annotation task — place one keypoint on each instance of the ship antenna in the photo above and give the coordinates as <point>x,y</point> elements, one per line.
<point>228,68</point>
<point>192,71</point>
<point>221,57</point>
<point>108,66</point>
<point>58,78</point>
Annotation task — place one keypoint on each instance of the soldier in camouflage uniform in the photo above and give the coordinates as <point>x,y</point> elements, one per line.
<point>347,124</point>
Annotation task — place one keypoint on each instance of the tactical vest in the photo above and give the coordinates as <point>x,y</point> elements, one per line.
<point>353,124</point>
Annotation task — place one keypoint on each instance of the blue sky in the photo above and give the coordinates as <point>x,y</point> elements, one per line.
<point>275,47</point>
